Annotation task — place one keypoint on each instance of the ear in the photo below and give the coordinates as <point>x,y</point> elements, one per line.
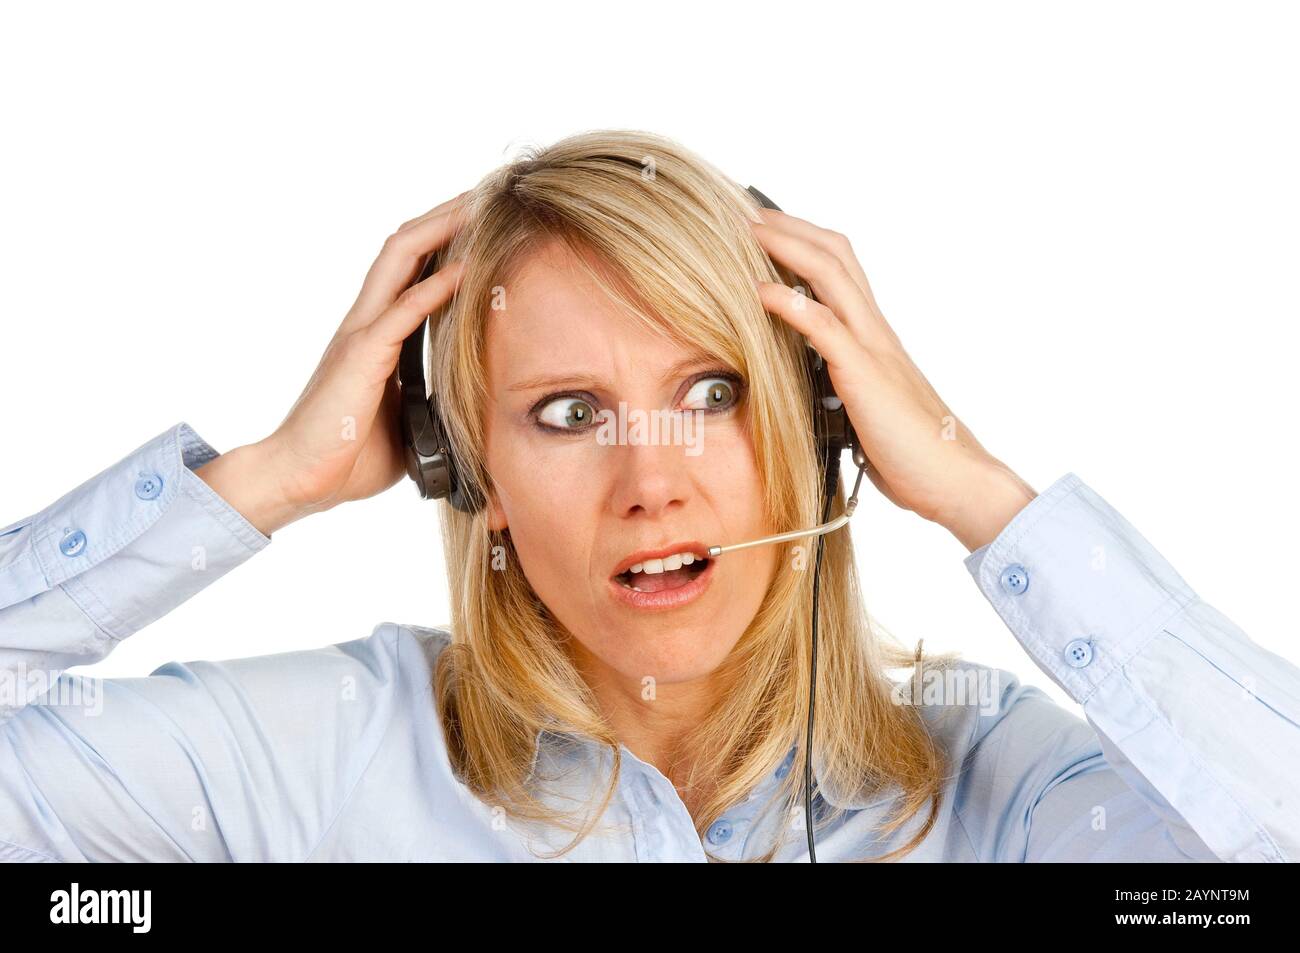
<point>496,516</point>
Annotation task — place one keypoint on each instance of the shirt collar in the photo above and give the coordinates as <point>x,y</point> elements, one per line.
<point>562,742</point>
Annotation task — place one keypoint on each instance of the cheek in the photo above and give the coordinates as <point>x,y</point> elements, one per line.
<point>538,488</point>
<point>552,519</point>
<point>731,471</point>
<point>743,502</point>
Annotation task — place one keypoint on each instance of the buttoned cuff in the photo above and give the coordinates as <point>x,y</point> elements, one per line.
<point>133,541</point>
<point>1078,586</point>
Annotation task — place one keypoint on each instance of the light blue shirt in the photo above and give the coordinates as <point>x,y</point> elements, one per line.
<point>1190,749</point>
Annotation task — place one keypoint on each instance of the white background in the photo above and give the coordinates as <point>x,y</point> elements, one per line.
<point>1080,219</point>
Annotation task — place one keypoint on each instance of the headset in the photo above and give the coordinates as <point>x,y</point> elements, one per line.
<point>433,468</point>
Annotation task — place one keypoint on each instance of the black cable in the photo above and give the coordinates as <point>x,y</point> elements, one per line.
<point>832,481</point>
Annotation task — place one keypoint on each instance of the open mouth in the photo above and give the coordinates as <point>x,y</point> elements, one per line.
<point>658,575</point>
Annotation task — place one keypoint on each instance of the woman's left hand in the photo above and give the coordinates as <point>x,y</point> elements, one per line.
<point>920,455</point>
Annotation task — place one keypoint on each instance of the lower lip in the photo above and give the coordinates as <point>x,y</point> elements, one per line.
<point>665,598</point>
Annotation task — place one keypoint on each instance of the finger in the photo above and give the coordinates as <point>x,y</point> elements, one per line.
<point>837,243</point>
<point>414,304</point>
<point>814,320</point>
<point>831,282</point>
<point>398,261</point>
<point>783,235</point>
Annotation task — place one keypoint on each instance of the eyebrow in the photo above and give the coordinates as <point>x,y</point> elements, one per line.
<point>574,379</point>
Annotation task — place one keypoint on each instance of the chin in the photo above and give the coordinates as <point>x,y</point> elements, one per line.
<point>664,652</point>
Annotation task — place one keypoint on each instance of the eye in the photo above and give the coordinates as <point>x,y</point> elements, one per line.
<point>574,413</point>
<point>712,393</point>
<point>567,413</point>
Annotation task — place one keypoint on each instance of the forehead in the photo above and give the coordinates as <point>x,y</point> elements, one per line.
<point>556,317</point>
<point>550,278</point>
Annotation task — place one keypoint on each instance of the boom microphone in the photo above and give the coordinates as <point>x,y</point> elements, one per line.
<point>850,505</point>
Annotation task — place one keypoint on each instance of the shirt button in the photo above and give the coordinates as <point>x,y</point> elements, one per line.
<point>73,543</point>
<point>1015,579</point>
<point>1078,653</point>
<point>720,832</point>
<point>148,486</point>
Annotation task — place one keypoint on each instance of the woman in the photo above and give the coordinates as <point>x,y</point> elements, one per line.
<point>604,691</point>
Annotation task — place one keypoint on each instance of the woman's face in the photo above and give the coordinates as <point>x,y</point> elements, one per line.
<point>583,503</point>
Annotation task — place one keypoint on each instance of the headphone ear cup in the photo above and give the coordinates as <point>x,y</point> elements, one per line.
<point>832,431</point>
<point>462,494</point>
<point>445,474</point>
<point>417,421</point>
<point>820,392</point>
<point>466,497</point>
<point>832,428</point>
<point>429,461</point>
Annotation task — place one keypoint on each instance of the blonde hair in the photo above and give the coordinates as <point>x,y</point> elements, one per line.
<point>665,235</point>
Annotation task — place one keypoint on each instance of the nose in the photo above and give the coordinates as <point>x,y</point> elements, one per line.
<point>650,481</point>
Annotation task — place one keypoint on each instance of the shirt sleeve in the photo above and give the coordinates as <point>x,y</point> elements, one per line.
<point>247,759</point>
<point>1196,753</point>
<point>111,556</point>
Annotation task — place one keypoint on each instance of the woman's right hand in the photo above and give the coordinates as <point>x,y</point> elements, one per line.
<point>340,441</point>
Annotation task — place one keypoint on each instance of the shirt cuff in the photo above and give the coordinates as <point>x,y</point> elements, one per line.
<point>1078,586</point>
<point>133,541</point>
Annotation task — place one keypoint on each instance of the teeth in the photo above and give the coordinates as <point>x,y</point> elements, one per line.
<point>665,564</point>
